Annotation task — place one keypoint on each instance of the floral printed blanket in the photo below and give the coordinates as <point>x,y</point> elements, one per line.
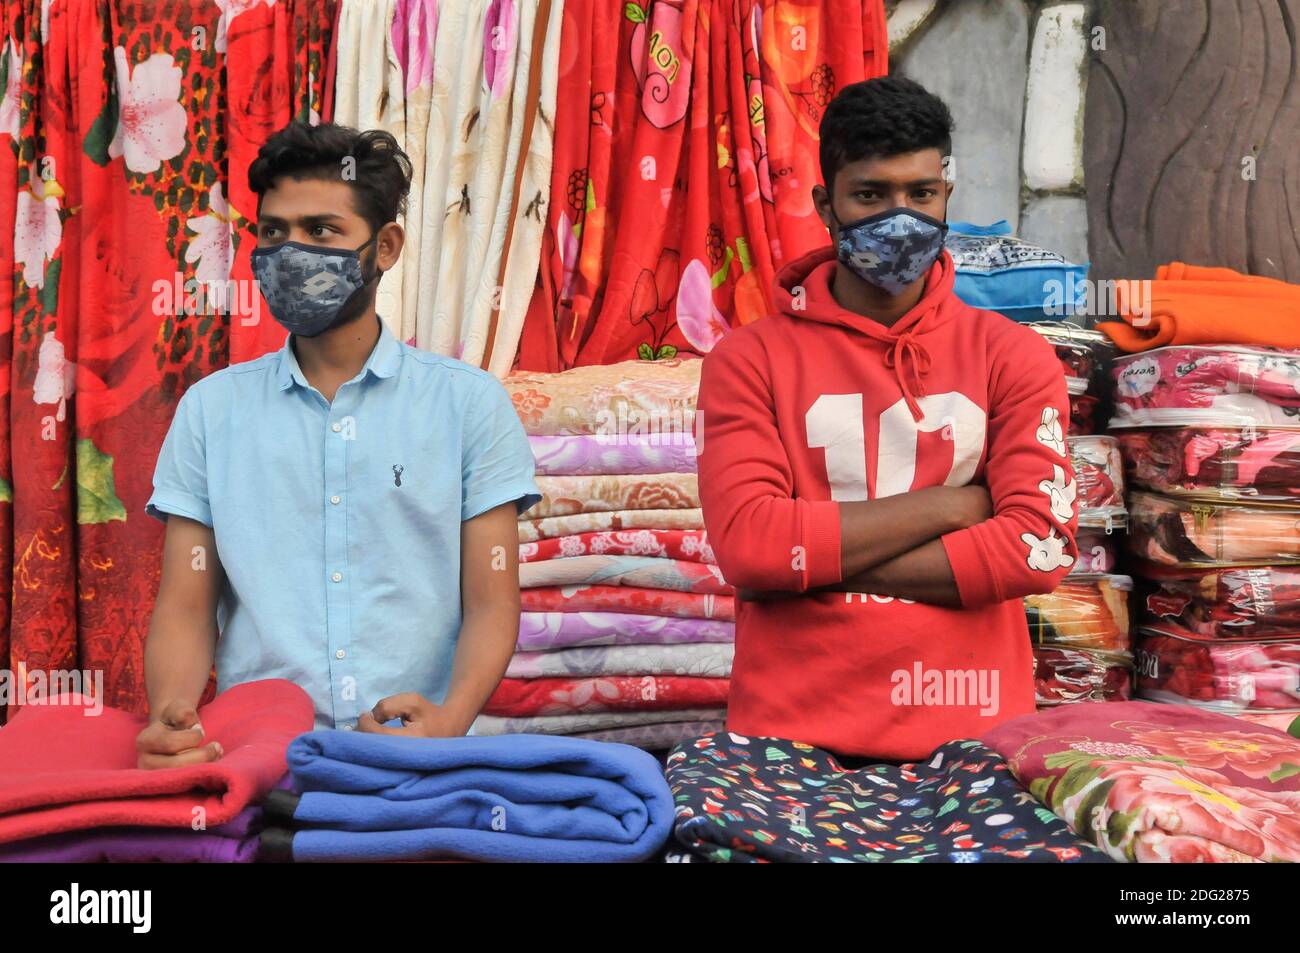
<point>1161,783</point>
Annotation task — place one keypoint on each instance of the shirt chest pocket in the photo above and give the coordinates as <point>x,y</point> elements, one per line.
<point>416,478</point>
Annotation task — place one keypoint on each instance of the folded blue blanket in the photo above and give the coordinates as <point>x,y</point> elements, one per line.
<point>505,798</point>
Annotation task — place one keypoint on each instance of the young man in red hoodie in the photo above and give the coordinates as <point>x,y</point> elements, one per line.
<point>884,471</point>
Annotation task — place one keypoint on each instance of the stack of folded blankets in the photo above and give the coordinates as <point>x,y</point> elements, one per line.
<point>1207,413</point>
<point>627,628</point>
<point>70,791</point>
<point>1082,650</point>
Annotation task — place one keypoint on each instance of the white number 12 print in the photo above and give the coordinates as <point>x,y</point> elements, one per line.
<point>834,422</point>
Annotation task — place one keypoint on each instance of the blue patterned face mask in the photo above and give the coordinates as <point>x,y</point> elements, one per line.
<point>891,249</point>
<point>310,289</point>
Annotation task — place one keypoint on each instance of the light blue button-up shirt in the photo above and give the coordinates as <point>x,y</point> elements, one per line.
<point>338,524</point>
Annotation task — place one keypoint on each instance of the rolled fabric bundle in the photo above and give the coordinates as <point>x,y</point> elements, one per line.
<point>629,599</point>
<point>710,660</point>
<point>645,571</point>
<point>1082,614</point>
<point>659,737</point>
<point>640,397</point>
<point>691,545</point>
<point>542,631</point>
<point>549,527</point>
<point>592,454</point>
<point>516,697</point>
<point>615,492</point>
<point>573,724</point>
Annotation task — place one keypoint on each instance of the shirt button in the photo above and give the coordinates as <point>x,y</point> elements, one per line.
<point>337,577</point>
<point>340,653</point>
<point>334,499</point>
<point>337,427</point>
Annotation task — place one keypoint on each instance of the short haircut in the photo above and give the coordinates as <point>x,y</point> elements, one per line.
<point>380,172</point>
<point>886,116</point>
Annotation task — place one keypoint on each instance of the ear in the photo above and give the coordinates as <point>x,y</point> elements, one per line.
<point>388,245</point>
<point>822,203</point>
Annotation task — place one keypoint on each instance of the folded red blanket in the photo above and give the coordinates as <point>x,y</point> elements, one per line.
<point>66,770</point>
<point>517,697</point>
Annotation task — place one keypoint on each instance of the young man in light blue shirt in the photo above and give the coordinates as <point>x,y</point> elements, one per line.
<point>341,512</point>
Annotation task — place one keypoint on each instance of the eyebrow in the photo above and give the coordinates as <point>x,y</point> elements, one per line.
<point>303,220</point>
<point>885,183</point>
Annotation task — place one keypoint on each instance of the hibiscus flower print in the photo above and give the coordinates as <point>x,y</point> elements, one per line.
<point>37,230</point>
<point>151,122</point>
<point>10,115</point>
<point>212,248</point>
<point>529,406</point>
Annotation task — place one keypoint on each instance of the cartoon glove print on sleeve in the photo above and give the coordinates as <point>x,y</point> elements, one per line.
<point>1049,432</point>
<point>1046,555</point>
<point>1061,494</point>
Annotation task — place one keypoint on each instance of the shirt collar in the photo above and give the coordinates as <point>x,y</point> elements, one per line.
<point>383,360</point>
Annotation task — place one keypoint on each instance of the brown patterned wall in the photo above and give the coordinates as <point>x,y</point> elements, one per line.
<point>1183,90</point>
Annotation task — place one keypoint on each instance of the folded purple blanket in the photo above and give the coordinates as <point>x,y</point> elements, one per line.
<point>552,630</point>
<point>143,845</point>
<point>583,455</point>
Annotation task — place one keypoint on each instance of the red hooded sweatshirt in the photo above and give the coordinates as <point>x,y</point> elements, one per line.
<point>817,404</point>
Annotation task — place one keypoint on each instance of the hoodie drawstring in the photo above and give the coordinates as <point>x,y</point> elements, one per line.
<point>907,346</point>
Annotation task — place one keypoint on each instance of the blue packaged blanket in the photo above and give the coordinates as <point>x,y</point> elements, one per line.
<point>999,272</point>
<point>506,798</point>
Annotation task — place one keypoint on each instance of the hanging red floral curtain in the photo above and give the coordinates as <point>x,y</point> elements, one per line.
<point>126,129</point>
<point>686,136</point>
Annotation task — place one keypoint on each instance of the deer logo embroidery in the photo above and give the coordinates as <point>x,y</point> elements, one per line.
<point>397,474</point>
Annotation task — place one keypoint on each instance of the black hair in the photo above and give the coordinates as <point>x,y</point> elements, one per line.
<point>379,173</point>
<point>885,116</point>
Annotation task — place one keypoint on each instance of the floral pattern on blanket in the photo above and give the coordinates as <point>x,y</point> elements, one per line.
<point>1162,783</point>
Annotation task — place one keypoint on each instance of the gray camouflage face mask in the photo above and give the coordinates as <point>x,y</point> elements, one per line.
<point>309,288</point>
<point>891,249</point>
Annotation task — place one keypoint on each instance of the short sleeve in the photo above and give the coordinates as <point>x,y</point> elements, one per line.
<point>497,464</point>
<point>180,479</point>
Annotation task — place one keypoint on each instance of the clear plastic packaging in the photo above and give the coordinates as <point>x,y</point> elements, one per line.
<point>1099,475</point>
<point>1228,386</point>
<point>1068,676</point>
<point>1083,414</point>
<point>1175,666</point>
<point>1082,614</point>
<point>1176,531</point>
<point>1230,462</point>
<point>1081,352</point>
<point>1098,553</point>
<point>1234,603</point>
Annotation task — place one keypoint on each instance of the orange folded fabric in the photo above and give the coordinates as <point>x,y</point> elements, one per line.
<point>1194,304</point>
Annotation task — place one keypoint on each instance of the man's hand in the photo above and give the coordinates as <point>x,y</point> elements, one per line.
<point>174,739</point>
<point>421,718</point>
